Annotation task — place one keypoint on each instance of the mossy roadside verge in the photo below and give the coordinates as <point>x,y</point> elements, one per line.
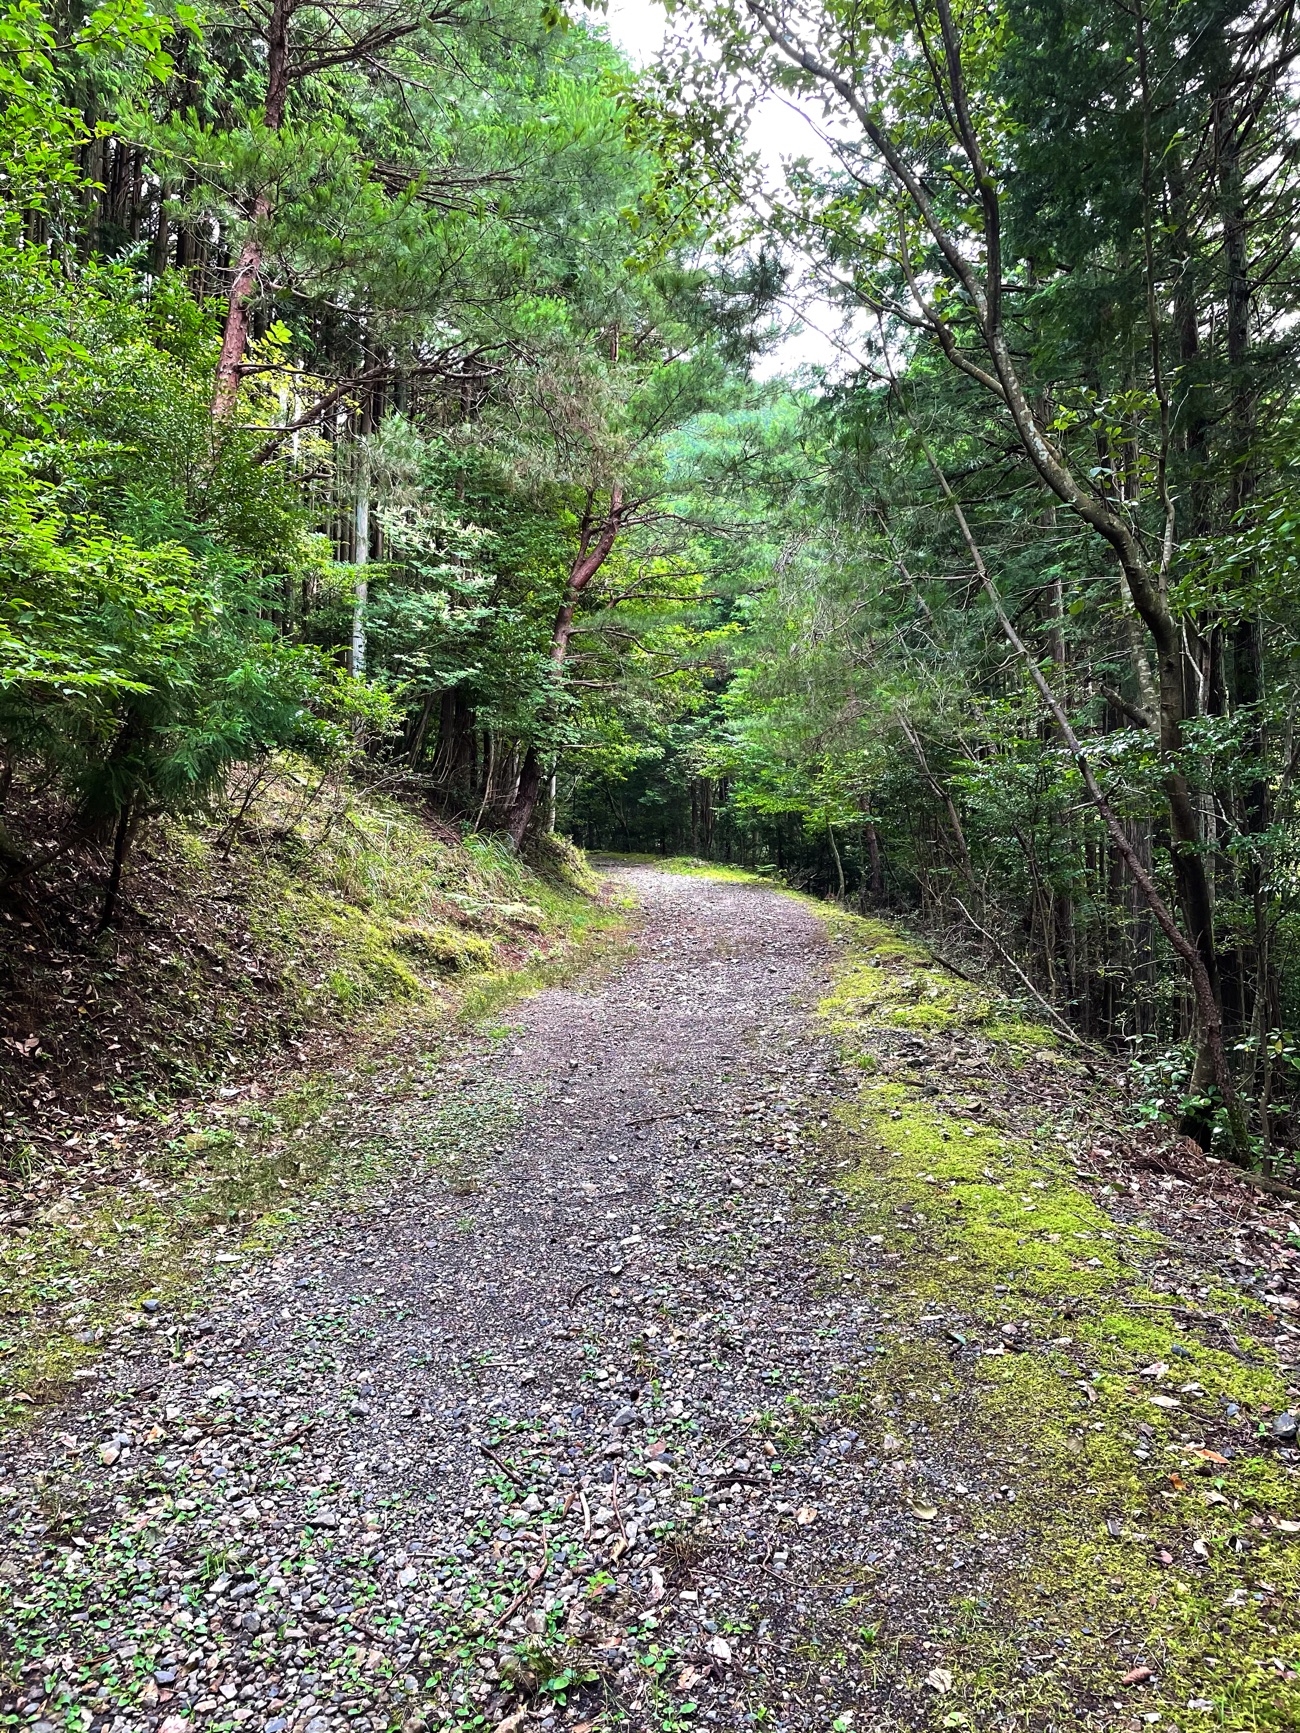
<point>393,945</point>
<point>1133,1530</point>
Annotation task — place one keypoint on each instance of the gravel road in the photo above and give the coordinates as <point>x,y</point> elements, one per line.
<point>490,1449</point>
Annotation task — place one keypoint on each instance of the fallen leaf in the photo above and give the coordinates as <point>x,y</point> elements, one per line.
<point>939,1679</point>
<point>1209,1456</point>
<point>108,1454</point>
<point>924,1512</point>
<point>1164,1401</point>
<point>720,1649</point>
<point>1157,1370</point>
<point>1286,1527</point>
<point>806,1516</point>
<point>1137,1676</point>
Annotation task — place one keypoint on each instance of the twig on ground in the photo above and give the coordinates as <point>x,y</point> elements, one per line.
<point>501,1463</point>
<point>613,1499</point>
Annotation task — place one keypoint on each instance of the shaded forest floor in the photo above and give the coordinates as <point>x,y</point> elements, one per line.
<point>770,1329</point>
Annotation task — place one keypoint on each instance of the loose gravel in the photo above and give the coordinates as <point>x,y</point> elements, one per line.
<point>545,1435</point>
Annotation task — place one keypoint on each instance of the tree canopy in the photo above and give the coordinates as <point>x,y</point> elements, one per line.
<point>379,384</point>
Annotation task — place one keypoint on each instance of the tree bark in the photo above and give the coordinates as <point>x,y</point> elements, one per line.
<point>876,880</point>
<point>243,284</point>
<point>361,590</point>
<point>595,544</point>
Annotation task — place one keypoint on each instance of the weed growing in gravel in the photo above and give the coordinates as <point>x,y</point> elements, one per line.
<point>88,1275</point>
<point>1112,1428</point>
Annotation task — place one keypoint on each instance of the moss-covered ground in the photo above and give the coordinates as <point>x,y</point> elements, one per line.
<point>1147,1528</point>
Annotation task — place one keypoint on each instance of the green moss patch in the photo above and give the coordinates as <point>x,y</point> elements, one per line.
<point>1142,1527</point>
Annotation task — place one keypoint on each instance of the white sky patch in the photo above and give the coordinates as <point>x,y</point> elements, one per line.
<point>779,132</point>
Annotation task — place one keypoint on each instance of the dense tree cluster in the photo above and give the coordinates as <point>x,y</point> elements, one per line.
<point>1022,646</point>
<point>377,385</point>
<point>340,347</point>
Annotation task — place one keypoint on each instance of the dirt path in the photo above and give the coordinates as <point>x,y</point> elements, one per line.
<point>558,1426</point>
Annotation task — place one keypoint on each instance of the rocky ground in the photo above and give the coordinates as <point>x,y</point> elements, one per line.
<point>581,1424</point>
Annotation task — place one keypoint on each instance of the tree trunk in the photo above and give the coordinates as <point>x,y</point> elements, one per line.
<point>521,812</point>
<point>876,881</point>
<point>126,826</point>
<point>839,864</point>
<point>243,285</point>
<point>361,589</point>
<point>595,545</point>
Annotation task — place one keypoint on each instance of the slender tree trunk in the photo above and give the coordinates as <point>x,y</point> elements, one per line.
<point>839,864</point>
<point>361,588</point>
<point>595,545</point>
<point>1247,638</point>
<point>876,880</point>
<point>243,284</point>
<point>126,824</point>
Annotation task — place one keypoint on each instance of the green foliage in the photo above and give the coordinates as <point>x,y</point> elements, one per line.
<point>480,205</point>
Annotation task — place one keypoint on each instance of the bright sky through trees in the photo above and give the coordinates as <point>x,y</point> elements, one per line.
<point>780,132</point>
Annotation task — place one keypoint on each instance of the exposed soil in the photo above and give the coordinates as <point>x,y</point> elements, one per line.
<point>549,1433</point>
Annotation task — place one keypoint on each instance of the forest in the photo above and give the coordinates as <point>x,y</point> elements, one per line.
<point>401,388</point>
<point>649,866</point>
